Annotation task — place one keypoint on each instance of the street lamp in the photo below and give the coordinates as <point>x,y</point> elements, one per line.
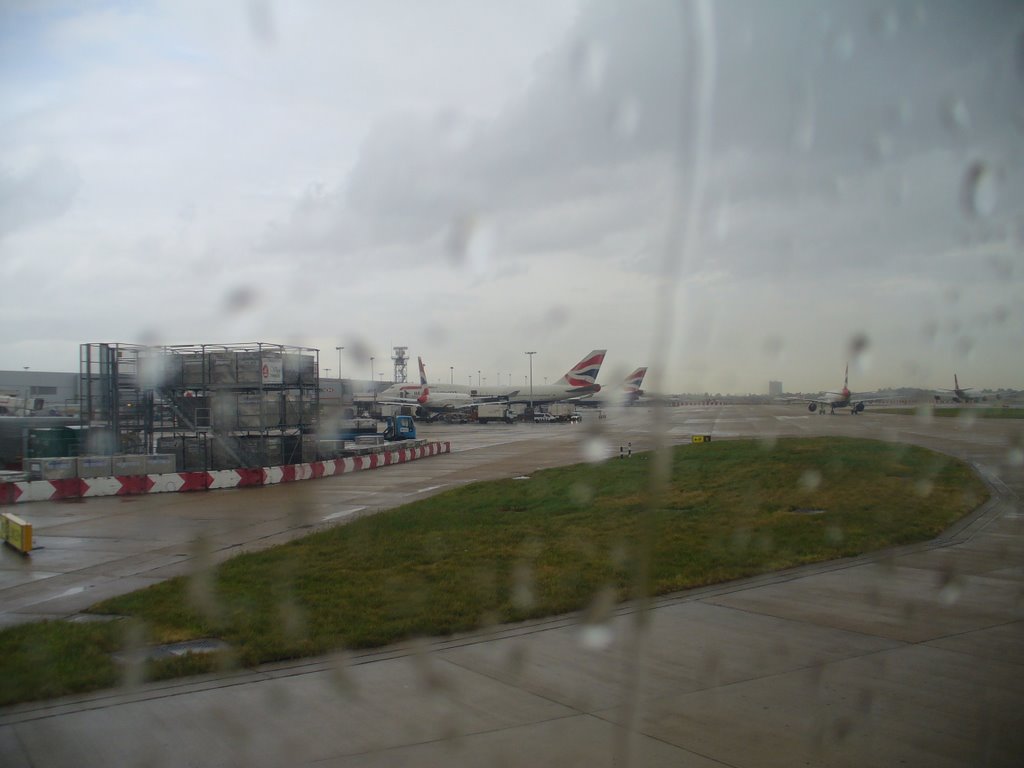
<point>339,361</point>
<point>328,372</point>
<point>530,355</point>
<point>371,370</point>
<point>451,372</point>
<point>478,378</point>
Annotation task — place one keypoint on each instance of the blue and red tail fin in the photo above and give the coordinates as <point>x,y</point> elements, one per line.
<point>423,372</point>
<point>584,373</point>
<point>633,382</point>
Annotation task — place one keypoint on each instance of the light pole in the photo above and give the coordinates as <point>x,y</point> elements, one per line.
<point>530,355</point>
<point>451,371</point>
<point>371,379</point>
<point>339,361</point>
<point>328,372</point>
<point>478,378</point>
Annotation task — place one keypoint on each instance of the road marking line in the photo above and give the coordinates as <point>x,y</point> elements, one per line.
<point>343,513</point>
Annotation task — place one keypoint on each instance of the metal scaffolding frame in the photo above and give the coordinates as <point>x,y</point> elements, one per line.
<point>215,406</point>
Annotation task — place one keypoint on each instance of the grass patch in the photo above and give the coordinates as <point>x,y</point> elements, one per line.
<point>973,412</point>
<point>510,550</point>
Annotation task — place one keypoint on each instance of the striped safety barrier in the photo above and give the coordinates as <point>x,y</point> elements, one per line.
<point>183,482</point>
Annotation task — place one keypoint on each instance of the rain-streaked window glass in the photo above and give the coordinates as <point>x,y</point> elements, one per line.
<point>512,383</point>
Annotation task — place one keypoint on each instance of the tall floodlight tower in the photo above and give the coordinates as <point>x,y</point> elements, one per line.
<point>401,364</point>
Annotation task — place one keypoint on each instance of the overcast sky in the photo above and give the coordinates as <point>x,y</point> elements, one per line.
<point>728,193</point>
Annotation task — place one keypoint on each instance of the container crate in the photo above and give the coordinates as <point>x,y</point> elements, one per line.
<point>94,466</point>
<point>221,366</point>
<point>249,368</point>
<point>53,468</point>
<point>309,448</point>
<point>172,446</point>
<point>196,456</point>
<point>161,463</point>
<point>128,464</point>
<point>224,411</point>
<point>193,370</point>
<point>272,452</point>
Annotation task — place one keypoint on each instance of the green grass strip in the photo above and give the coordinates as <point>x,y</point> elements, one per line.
<point>509,550</point>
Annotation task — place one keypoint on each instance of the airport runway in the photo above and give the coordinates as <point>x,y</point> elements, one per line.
<point>912,657</point>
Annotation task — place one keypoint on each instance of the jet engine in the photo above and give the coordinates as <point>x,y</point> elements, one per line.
<point>812,407</point>
<point>858,408</point>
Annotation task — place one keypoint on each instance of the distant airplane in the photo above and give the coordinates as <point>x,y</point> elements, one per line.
<point>961,395</point>
<point>842,399</point>
<point>629,393</point>
<point>420,396</point>
<point>631,386</point>
<point>579,382</point>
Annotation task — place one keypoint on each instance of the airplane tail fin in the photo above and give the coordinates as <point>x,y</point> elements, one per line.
<point>423,373</point>
<point>584,373</point>
<point>956,384</point>
<point>846,377</point>
<point>634,381</point>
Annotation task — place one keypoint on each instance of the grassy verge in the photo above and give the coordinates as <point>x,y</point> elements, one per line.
<point>515,549</point>
<point>974,412</point>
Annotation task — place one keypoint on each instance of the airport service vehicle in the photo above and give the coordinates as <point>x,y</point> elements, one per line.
<point>543,417</point>
<point>560,411</point>
<point>400,427</point>
<point>486,412</point>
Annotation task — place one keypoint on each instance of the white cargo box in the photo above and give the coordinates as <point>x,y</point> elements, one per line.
<point>128,464</point>
<point>94,466</point>
<point>57,468</point>
<point>161,464</point>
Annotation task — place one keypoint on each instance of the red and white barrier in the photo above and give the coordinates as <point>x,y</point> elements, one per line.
<point>183,482</point>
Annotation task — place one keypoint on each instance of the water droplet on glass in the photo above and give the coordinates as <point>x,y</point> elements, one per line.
<point>596,637</point>
<point>924,487</point>
<point>470,243</point>
<point>1015,457</point>
<point>590,61</point>
<point>239,299</point>
<point>810,480</point>
<point>951,590</point>
<point>581,493</point>
<point>773,346</point>
<point>455,131</point>
<point>626,118</point>
<point>956,116</point>
<point>833,535</point>
<point>887,23</point>
<point>979,192</point>
<point>924,414</point>
<point>596,449</point>
<point>964,346</point>
<point>843,46</point>
<point>857,351</point>
<point>881,146</point>
<point>522,586</point>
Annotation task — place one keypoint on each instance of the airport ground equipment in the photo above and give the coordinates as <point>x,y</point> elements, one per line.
<point>486,412</point>
<point>400,427</point>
